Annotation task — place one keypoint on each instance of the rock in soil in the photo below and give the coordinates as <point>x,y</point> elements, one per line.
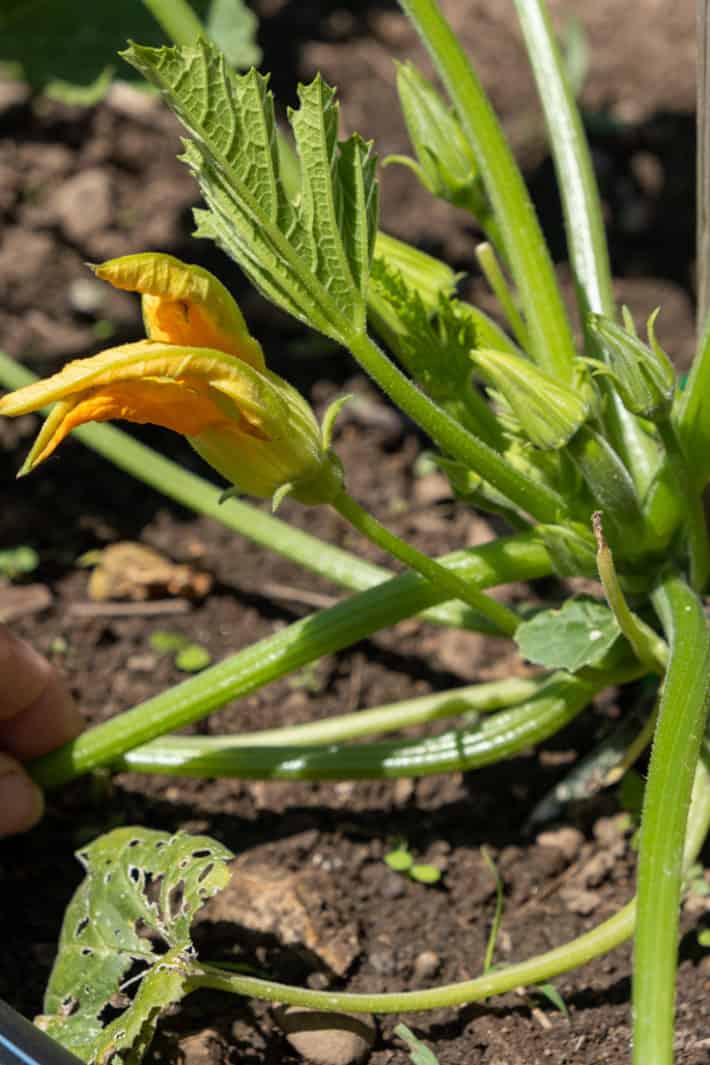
<point>327,1038</point>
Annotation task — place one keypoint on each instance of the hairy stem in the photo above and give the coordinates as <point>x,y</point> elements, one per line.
<point>539,500</point>
<point>505,620</point>
<point>681,722</point>
<point>499,562</point>
<point>558,700</point>
<point>551,342</point>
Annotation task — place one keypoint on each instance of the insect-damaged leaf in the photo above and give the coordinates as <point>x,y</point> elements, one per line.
<point>581,634</point>
<point>125,946</point>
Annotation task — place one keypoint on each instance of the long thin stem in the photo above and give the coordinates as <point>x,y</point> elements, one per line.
<point>499,562</point>
<point>559,699</point>
<point>493,274</point>
<point>473,698</point>
<point>505,620</point>
<point>570,955</point>
<point>202,496</point>
<point>531,496</point>
<point>682,713</point>
<point>646,644</point>
<point>551,340</point>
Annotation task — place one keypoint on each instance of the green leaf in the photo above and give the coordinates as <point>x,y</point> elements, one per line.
<point>418,1052</point>
<point>310,256</point>
<point>580,634</point>
<point>436,352</point>
<point>233,27</point>
<point>425,874</point>
<point>400,860</point>
<point>68,50</point>
<point>552,995</point>
<point>163,641</point>
<point>434,343</point>
<point>192,658</point>
<point>14,561</point>
<point>128,926</point>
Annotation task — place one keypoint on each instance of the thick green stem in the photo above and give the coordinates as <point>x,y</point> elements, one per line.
<point>539,500</point>
<point>570,955</point>
<point>499,562</point>
<point>505,620</point>
<point>692,415</point>
<point>702,222</point>
<point>581,205</point>
<point>551,341</point>
<point>683,497</point>
<point>681,721</point>
<point>584,224</point>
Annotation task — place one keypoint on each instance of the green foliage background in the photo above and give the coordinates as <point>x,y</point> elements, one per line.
<point>63,49</point>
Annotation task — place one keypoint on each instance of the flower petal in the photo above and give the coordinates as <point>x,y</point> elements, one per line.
<point>129,361</point>
<point>183,304</point>
<point>183,406</point>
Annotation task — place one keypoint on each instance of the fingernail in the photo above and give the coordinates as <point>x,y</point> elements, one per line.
<point>21,802</point>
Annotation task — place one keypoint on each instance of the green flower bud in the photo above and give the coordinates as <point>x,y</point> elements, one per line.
<point>445,163</point>
<point>643,374</point>
<point>548,413</point>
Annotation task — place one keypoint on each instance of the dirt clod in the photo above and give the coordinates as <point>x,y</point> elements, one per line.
<point>566,839</point>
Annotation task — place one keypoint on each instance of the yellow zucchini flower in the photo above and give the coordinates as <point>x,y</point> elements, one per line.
<point>200,374</point>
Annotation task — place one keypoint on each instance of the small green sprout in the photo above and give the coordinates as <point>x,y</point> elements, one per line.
<point>400,860</point>
<point>16,561</point>
<point>418,1052</point>
<point>550,992</point>
<point>188,656</point>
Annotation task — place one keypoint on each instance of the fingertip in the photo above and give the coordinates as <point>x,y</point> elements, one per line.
<point>21,801</point>
<point>48,722</point>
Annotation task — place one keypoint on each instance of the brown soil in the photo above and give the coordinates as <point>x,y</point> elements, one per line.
<point>363,927</point>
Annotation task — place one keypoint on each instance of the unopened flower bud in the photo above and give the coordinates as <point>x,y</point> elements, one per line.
<point>642,373</point>
<point>445,164</point>
<point>548,413</point>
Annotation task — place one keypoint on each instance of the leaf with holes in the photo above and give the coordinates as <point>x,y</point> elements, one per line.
<point>582,633</point>
<point>125,951</point>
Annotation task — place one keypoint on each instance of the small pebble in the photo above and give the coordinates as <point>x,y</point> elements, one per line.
<point>393,886</point>
<point>426,965</point>
<point>327,1038</point>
